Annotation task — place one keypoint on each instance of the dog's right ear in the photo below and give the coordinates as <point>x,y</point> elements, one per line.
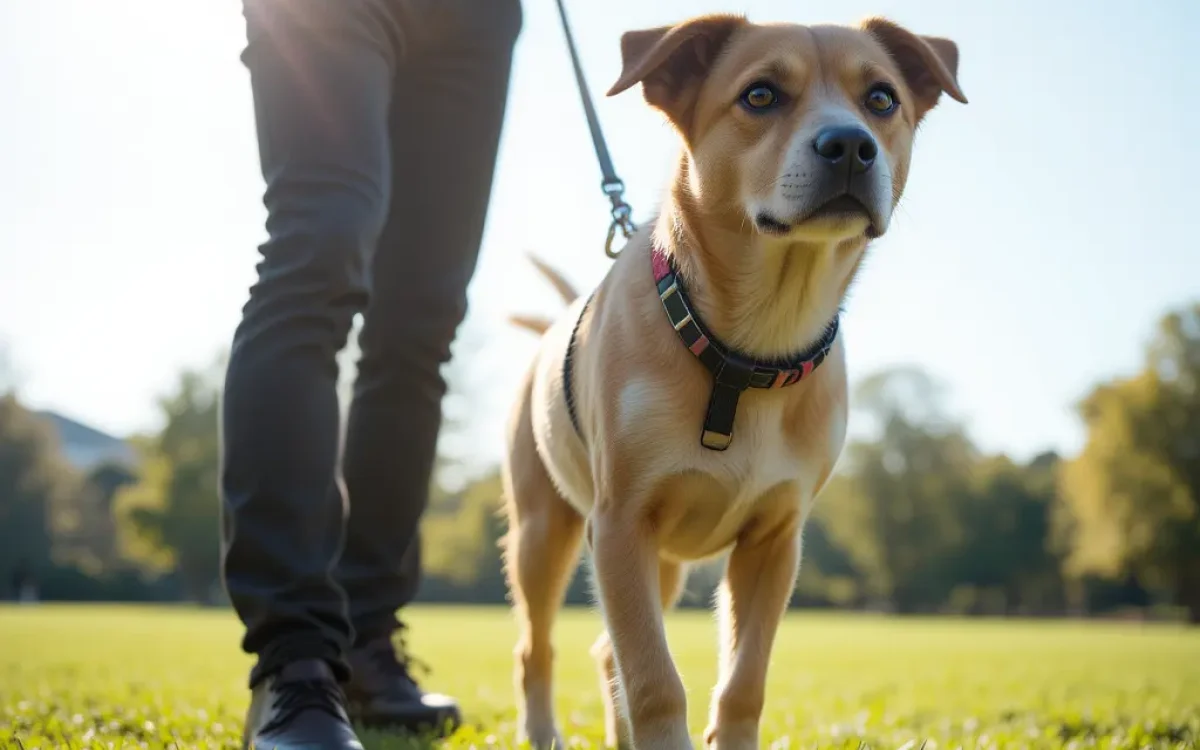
<point>671,61</point>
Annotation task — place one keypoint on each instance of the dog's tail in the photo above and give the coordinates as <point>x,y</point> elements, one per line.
<point>537,325</point>
<point>567,292</point>
<point>560,284</point>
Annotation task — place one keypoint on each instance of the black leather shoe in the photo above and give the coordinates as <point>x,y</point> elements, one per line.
<point>299,708</point>
<point>382,693</point>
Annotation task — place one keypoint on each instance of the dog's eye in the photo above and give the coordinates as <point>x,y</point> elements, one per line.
<point>882,100</point>
<point>760,96</point>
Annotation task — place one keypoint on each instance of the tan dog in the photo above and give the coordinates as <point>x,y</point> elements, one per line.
<point>696,404</point>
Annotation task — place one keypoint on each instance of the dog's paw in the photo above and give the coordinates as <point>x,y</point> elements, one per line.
<point>541,738</point>
<point>736,737</point>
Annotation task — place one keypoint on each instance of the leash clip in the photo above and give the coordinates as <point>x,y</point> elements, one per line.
<point>622,216</point>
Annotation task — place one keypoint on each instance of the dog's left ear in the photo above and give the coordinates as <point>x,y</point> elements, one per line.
<point>671,61</point>
<point>929,63</point>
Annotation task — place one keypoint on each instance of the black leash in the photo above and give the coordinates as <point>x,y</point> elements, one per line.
<point>612,185</point>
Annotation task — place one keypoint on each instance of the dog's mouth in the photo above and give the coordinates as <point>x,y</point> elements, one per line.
<point>768,224</point>
<point>840,209</point>
<point>845,206</point>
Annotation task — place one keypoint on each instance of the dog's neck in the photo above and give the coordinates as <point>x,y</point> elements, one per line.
<point>766,297</point>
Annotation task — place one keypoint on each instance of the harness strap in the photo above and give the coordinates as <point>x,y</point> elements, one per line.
<point>568,369</point>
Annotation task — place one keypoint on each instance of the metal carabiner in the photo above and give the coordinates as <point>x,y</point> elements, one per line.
<point>621,219</point>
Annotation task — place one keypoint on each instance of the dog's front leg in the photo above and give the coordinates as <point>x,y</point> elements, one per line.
<point>751,601</point>
<point>627,580</point>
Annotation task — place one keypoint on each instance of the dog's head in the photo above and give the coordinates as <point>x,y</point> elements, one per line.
<point>804,133</point>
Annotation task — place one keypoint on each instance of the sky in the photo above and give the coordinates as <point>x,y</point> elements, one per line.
<point>1045,227</point>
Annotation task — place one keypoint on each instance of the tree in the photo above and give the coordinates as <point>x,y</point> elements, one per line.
<point>8,373</point>
<point>1006,560</point>
<point>92,542</point>
<point>828,575</point>
<point>462,532</point>
<point>893,508</point>
<point>1133,493</point>
<point>36,483</point>
<point>172,514</point>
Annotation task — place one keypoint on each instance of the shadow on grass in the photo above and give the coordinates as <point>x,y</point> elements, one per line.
<point>383,739</point>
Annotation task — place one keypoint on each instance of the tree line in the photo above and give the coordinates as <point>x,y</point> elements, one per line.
<point>917,519</point>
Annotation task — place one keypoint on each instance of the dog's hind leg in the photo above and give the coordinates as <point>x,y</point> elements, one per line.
<point>541,552</point>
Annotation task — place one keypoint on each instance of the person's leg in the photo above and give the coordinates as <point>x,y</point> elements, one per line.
<point>449,105</point>
<point>321,78</point>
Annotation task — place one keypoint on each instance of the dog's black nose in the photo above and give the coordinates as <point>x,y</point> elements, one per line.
<point>847,142</point>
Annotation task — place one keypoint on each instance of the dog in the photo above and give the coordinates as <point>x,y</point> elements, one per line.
<point>694,405</point>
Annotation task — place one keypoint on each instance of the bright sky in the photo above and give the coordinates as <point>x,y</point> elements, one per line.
<point>1046,225</point>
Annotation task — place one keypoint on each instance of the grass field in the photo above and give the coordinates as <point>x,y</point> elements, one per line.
<point>84,677</point>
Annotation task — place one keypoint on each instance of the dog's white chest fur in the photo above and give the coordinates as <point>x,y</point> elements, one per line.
<point>758,459</point>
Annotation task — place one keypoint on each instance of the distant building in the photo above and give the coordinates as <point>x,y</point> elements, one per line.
<point>86,447</point>
<point>108,463</point>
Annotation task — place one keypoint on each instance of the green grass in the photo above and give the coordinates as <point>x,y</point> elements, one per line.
<point>85,676</point>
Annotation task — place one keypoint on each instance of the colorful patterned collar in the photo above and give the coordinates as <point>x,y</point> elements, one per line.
<point>732,372</point>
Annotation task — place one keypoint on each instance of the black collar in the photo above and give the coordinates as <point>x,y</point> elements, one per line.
<point>732,371</point>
